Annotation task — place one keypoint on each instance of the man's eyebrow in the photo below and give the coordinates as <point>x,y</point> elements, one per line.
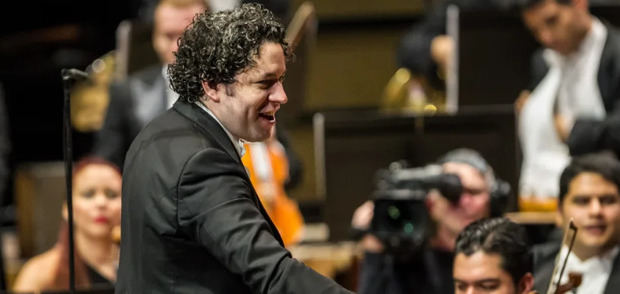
<point>270,75</point>
<point>487,280</point>
<point>477,281</point>
<point>583,196</point>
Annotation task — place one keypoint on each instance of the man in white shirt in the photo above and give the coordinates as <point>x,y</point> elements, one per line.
<point>573,108</point>
<point>588,195</point>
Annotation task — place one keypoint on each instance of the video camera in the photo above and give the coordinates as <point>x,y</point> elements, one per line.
<point>401,219</point>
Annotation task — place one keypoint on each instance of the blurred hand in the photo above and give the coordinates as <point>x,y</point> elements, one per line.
<point>560,126</point>
<point>362,217</point>
<point>442,48</point>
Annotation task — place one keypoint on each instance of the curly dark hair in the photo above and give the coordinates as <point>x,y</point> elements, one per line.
<point>219,45</point>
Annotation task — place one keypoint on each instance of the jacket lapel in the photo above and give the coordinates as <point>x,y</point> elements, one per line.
<point>613,282</point>
<point>208,125</point>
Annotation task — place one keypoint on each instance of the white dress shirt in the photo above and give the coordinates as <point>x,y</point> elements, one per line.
<point>595,270</point>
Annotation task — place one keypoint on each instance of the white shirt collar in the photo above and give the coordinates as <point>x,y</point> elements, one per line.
<point>595,270</point>
<point>238,143</point>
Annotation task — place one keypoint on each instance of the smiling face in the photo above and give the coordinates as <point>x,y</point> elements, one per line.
<point>594,204</point>
<point>96,200</point>
<point>481,273</point>
<point>560,27</point>
<point>247,107</point>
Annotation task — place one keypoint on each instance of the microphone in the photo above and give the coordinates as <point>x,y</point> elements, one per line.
<point>73,74</point>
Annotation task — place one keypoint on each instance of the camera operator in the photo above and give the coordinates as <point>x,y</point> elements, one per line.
<point>428,270</point>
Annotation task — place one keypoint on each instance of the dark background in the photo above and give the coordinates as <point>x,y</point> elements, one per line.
<point>37,39</point>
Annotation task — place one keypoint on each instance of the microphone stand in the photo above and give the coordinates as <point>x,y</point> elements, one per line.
<point>68,77</point>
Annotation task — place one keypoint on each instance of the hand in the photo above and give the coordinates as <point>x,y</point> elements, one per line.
<point>560,126</point>
<point>361,221</point>
<point>442,48</point>
<point>363,216</point>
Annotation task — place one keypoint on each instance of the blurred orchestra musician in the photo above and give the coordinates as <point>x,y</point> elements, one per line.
<point>97,214</point>
<point>573,107</point>
<point>145,94</point>
<point>589,194</point>
<point>426,49</point>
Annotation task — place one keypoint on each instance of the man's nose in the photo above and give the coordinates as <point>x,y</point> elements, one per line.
<point>595,207</point>
<point>278,94</point>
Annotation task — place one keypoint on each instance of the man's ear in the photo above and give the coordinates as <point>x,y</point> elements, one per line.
<point>526,284</point>
<point>210,90</point>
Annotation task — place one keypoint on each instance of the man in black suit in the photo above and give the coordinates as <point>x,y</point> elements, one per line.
<point>191,221</point>
<point>146,93</point>
<point>589,189</point>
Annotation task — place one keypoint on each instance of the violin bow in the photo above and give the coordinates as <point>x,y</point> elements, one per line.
<point>569,237</point>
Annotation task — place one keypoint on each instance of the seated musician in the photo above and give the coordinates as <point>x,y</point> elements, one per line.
<point>493,256</point>
<point>97,212</point>
<point>588,195</point>
<point>429,271</point>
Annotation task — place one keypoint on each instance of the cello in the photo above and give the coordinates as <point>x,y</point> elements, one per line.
<point>268,170</point>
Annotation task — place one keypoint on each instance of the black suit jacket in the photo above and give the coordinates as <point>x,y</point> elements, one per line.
<point>133,103</point>
<point>544,261</point>
<point>591,135</point>
<point>191,221</point>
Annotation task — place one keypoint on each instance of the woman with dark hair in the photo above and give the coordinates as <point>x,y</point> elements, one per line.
<point>97,212</point>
